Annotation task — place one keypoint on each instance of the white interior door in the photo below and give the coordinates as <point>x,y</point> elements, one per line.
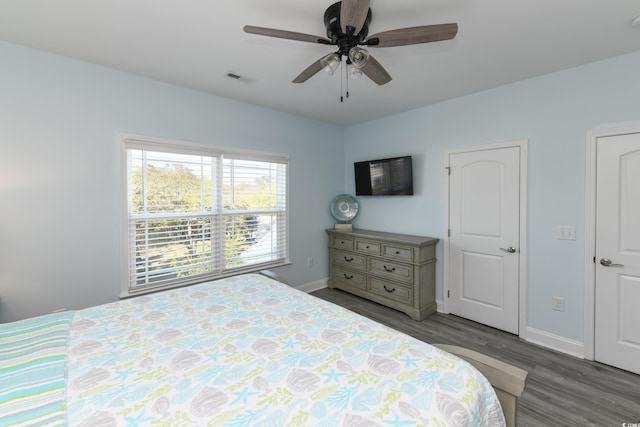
<point>617,299</point>
<point>484,222</point>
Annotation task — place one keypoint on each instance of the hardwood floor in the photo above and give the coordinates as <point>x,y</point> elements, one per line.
<point>561,390</point>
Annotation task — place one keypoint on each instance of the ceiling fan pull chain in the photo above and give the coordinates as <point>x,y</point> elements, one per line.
<point>341,89</point>
<point>346,78</point>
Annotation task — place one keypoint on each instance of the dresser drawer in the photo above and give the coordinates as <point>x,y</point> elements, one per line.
<point>367,247</point>
<point>402,253</point>
<point>350,278</point>
<point>342,242</point>
<point>392,270</point>
<point>394,291</point>
<point>350,259</point>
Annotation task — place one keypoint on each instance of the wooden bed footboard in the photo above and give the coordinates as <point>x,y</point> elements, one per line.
<point>507,380</point>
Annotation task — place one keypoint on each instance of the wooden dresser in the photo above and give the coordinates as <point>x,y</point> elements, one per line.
<point>396,270</point>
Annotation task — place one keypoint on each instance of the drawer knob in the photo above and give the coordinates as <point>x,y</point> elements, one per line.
<point>387,289</point>
<point>389,270</point>
<point>367,246</point>
<point>397,252</point>
<point>347,276</point>
<point>348,259</point>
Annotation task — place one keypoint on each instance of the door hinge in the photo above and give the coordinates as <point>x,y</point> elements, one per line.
<point>449,232</point>
<point>448,168</point>
<point>448,294</point>
<point>594,260</point>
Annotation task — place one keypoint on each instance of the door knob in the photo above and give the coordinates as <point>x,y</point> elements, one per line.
<point>510,249</point>
<point>607,263</point>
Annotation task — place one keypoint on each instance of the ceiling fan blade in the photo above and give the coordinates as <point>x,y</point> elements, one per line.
<point>309,72</point>
<point>375,71</point>
<point>282,34</point>
<point>353,13</point>
<point>415,35</point>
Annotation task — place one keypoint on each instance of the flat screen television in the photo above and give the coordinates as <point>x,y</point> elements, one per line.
<point>384,177</point>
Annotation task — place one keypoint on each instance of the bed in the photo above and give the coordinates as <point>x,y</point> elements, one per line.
<point>244,350</point>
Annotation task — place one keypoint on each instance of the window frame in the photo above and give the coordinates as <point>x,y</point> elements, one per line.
<point>127,141</point>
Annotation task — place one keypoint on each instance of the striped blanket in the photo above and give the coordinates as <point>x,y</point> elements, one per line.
<point>32,371</point>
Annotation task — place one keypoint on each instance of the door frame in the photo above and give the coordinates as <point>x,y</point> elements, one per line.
<point>522,263</point>
<point>589,344</point>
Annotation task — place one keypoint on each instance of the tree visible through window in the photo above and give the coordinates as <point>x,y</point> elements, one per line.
<point>196,212</point>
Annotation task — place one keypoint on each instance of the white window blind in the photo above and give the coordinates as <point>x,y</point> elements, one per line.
<point>196,213</point>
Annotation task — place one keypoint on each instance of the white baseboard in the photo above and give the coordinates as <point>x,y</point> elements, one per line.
<point>555,342</point>
<point>313,286</point>
<point>544,339</point>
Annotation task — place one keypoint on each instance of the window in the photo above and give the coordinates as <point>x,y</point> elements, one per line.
<point>197,212</point>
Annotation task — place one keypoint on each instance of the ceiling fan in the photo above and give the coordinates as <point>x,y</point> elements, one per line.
<point>347,24</point>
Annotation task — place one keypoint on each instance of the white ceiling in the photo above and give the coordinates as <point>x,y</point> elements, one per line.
<point>194,43</point>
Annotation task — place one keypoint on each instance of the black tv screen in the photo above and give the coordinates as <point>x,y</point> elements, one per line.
<point>384,177</point>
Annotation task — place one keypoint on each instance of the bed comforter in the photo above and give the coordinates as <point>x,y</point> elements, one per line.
<point>240,351</point>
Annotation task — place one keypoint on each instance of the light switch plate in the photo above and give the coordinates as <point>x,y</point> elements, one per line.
<point>565,232</point>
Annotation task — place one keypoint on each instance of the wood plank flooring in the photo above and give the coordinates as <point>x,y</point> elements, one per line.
<point>561,390</point>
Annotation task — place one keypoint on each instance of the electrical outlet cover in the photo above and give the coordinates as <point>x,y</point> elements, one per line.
<point>558,304</point>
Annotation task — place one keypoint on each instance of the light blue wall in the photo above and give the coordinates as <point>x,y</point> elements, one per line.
<point>58,170</point>
<point>59,193</point>
<point>554,112</point>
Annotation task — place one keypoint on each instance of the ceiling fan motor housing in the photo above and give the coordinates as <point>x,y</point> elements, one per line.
<point>334,29</point>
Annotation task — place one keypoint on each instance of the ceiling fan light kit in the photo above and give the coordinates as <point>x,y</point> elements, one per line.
<point>331,62</point>
<point>358,57</point>
<point>347,23</point>
<point>354,72</point>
